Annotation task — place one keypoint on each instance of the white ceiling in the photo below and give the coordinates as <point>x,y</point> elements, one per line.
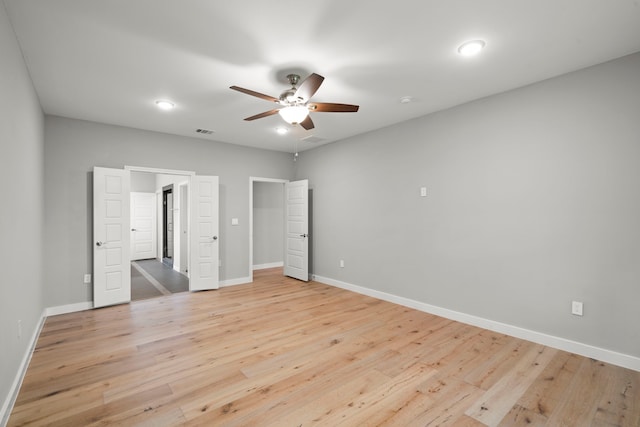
<point>109,60</point>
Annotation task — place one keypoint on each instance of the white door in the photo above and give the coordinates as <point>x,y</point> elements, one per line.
<point>203,242</point>
<point>143,226</point>
<point>296,262</point>
<point>111,261</point>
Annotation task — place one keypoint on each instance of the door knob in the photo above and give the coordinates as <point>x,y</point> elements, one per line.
<point>304,235</point>
<point>100,243</point>
<point>133,229</point>
<point>215,238</point>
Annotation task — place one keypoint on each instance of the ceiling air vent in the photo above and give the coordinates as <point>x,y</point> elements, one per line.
<point>204,131</point>
<point>312,138</point>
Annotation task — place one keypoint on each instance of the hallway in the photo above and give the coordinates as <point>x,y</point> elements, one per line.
<point>150,278</point>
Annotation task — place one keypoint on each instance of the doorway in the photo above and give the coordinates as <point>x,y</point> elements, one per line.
<point>165,271</point>
<point>266,223</point>
<point>150,278</point>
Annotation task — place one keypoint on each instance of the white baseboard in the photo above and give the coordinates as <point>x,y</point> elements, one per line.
<point>7,406</point>
<point>598,353</point>
<point>233,282</point>
<point>268,265</point>
<point>69,308</point>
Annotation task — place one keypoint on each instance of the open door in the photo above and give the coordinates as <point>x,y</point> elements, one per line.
<point>296,262</point>
<point>203,242</point>
<point>111,259</point>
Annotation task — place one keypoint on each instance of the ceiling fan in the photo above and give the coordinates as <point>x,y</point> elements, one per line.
<point>294,102</point>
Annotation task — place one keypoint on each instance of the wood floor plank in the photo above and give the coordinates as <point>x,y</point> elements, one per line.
<point>550,387</point>
<point>619,402</point>
<point>366,409</point>
<point>490,372</point>
<point>448,398</point>
<point>494,405</point>
<point>281,352</point>
<point>307,387</point>
<point>578,406</point>
<point>125,410</point>
<point>332,400</point>
<point>465,421</point>
<point>519,416</point>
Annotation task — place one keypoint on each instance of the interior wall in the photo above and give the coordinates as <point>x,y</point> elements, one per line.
<point>268,223</point>
<point>74,147</point>
<point>532,202</point>
<point>143,182</point>
<point>21,216</point>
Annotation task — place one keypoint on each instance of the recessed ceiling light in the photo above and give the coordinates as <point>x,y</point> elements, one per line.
<point>471,48</point>
<point>282,130</point>
<point>406,99</point>
<point>165,105</point>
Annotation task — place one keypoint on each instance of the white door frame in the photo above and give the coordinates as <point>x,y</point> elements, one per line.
<point>253,179</point>
<point>160,171</point>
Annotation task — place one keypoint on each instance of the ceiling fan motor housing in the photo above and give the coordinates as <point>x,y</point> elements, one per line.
<point>288,97</point>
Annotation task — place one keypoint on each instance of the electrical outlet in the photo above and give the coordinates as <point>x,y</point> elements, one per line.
<point>19,329</point>
<point>576,308</point>
<point>87,278</point>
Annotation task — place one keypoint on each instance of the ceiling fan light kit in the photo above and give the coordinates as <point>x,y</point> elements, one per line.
<point>294,102</point>
<point>294,114</point>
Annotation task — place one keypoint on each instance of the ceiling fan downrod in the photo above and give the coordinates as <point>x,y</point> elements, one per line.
<point>293,79</point>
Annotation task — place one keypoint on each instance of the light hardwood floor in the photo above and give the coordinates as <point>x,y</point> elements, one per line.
<point>280,352</point>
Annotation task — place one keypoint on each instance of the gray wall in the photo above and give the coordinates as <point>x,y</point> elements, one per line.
<point>21,216</point>
<point>268,222</point>
<point>533,201</point>
<point>143,182</point>
<point>74,147</point>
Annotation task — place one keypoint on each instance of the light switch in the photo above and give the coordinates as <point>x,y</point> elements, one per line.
<point>423,191</point>
<point>234,221</point>
<point>576,308</point>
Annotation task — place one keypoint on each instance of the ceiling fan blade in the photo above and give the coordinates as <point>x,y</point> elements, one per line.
<point>307,123</point>
<point>254,93</point>
<point>327,107</point>
<point>261,115</point>
<point>309,86</point>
